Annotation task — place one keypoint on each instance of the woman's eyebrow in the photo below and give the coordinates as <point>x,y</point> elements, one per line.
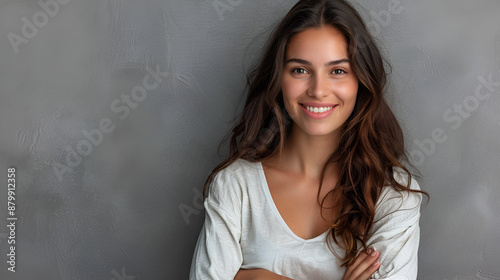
<point>331,63</point>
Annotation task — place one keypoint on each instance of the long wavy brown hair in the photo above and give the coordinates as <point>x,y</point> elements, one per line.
<point>371,144</point>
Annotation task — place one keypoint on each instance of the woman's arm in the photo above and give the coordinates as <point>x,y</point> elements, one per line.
<point>362,269</point>
<point>218,253</point>
<point>258,274</point>
<point>396,232</point>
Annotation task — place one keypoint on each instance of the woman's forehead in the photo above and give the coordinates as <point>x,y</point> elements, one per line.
<point>318,44</point>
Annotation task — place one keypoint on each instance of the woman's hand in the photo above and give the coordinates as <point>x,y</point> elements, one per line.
<point>258,274</point>
<point>365,265</point>
<point>362,269</point>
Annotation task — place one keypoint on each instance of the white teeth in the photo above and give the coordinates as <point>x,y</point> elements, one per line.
<point>318,109</point>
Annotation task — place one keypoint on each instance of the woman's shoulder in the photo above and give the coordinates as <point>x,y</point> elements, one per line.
<point>240,169</point>
<point>392,196</point>
<point>396,207</point>
<point>234,180</point>
<point>402,177</point>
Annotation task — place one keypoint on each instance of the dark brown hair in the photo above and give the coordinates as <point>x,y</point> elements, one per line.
<point>371,144</point>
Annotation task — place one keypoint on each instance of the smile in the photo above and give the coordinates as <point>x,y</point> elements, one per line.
<point>318,109</point>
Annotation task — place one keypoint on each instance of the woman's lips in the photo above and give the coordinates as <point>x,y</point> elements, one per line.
<point>318,110</point>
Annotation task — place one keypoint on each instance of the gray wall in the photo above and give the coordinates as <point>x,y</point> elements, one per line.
<point>110,157</point>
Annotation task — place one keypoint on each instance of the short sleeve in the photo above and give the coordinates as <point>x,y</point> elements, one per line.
<point>218,253</point>
<point>396,232</point>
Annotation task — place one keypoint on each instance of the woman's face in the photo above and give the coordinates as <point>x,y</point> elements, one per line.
<point>319,86</point>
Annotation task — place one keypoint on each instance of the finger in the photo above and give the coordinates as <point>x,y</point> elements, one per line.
<point>368,266</point>
<point>365,265</point>
<point>370,270</point>
<point>351,268</point>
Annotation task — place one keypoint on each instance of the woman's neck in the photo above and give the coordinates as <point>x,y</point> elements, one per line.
<point>306,154</point>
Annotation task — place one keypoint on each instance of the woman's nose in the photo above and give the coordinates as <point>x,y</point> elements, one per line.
<point>318,86</point>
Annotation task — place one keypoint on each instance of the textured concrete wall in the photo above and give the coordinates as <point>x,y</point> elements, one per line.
<point>111,113</point>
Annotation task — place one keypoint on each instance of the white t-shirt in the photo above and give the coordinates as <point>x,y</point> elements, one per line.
<point>244,229</point>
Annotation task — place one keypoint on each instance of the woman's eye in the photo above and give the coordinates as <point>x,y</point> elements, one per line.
<point>338,72</point>
<point>299,71</point>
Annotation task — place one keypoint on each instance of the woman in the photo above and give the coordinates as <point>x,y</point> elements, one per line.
<point>315,180</point>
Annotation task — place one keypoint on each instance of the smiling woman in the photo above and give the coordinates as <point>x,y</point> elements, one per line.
<point>317,69</point>
<point>315,179</point>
